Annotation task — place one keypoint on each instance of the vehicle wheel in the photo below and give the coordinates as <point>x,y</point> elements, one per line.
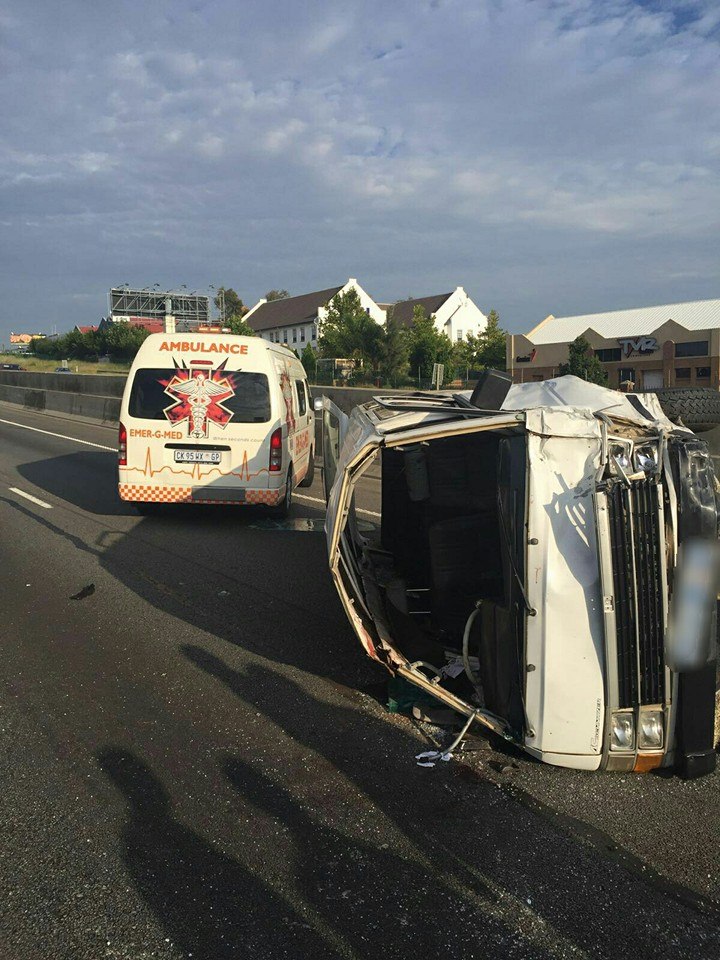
<point>310,475</point>
<point>283,509</point>
<point>697,407</point>
<point>146,509</point>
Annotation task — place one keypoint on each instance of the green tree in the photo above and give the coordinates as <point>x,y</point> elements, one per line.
<point>490,344</point>
<point>348,331</point>
<point>309,361</point>
<point>394,351</point>
<point>426,346</point>
<point>50,347</point>
<point>229,305</point>
<point>239,326</point>
<point>276,295</point>
<point>583,363</point>
<point>122,341</point>
<point>463,355</point>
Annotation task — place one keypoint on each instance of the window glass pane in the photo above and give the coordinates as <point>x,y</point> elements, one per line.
<point>627,373</point>
<point>682,373</point>
<point>608,356</point>
<point>300,391</point>
<point>703,373</point>
<point>331,448</point>
<point>249,401</point>
<point>696,348</point>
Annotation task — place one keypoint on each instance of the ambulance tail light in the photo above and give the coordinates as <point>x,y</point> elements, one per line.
<point>276,451</point>
<point>122,446</point>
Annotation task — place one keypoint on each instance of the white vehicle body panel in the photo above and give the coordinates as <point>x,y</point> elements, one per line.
<point>184,399</point>
<point>573,392</point>
<point>566,636</point>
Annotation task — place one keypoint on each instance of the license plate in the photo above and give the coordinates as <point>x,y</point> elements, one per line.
<point>197,456</point>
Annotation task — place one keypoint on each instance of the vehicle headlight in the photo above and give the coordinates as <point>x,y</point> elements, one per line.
<point>619,457</point>
<point>650,730</point>
<point>622,731</point>
<point>645,458</point>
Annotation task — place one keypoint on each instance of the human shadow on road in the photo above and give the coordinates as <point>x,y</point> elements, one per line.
<point>497,862</point>
<point>383,900</point>
<point>210,905</point>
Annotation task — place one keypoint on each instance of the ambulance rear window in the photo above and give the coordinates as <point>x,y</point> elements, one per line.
<point>249,401</point>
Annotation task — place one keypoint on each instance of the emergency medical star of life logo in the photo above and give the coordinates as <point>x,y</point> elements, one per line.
<point>198,395</point>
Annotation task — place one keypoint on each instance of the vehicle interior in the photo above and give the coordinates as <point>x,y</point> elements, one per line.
<point>451,545</point>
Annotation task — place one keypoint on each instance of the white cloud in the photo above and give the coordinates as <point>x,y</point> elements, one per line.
<point>211,146</point>
<point>408,144</point>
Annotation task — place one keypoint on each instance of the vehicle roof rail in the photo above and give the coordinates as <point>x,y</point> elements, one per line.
<point>428,404</point>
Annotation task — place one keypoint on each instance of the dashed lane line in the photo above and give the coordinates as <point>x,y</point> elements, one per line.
<point>29,496</point>
<point>59,436</point>
<point>101,446</point>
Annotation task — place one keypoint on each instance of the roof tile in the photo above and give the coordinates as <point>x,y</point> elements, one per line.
<point>281,313</point>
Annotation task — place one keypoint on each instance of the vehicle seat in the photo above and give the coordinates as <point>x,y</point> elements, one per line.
<point>465,567</point>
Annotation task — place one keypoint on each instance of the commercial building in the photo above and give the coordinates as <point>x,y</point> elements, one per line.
<point>675,345</point>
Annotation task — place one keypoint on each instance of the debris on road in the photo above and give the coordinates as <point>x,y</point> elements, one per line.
<point>87,591</point>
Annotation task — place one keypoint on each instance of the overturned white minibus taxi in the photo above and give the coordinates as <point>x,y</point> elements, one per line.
<point>538,545</point>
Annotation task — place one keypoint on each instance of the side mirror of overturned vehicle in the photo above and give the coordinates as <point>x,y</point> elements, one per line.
<point>545,565</point>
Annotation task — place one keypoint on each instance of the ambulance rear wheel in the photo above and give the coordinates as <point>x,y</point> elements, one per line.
<point>310,475</point>
<point>283,508</point>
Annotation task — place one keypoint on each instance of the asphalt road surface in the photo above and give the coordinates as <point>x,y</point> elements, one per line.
<point>196,761</point>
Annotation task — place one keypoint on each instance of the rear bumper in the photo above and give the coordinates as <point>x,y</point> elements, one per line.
<point>149,493</point>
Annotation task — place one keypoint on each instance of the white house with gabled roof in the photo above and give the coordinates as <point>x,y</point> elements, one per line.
<point>455,313</point>
<point>294,320</point>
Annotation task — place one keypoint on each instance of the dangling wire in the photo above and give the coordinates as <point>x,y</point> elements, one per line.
<point>474,680</point>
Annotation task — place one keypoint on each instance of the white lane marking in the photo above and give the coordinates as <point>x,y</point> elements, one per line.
<point>60,436</point>
<point>100,446</point>
<point>304,496</point>
<point>29,496</point>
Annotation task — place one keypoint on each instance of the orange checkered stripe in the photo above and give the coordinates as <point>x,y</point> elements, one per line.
<point>139,492</point>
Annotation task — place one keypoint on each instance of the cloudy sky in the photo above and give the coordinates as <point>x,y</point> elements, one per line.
<point>549,155</point>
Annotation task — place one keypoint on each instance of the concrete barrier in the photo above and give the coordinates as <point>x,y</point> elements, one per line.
<point>98,397</point>
<point>97,385</point>
<point>88,406</point>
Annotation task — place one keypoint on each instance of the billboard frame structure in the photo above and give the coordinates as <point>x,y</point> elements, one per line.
<point>187,308</point>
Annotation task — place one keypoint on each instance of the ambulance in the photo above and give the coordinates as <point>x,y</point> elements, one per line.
<point>215,418</point>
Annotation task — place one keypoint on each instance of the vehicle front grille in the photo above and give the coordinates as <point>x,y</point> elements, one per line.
<point>637,543</point>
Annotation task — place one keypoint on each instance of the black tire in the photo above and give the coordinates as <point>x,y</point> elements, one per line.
<point>283,509</point>
<point>697,407</point>
<point>310,475</point>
